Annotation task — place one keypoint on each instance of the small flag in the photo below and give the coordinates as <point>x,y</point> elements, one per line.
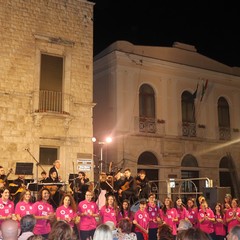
<point>204,87</point>
<point>195,93</point>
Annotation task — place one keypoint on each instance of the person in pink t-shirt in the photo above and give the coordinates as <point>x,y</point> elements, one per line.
<point>43,212</point>
<point>169,215</point>
<point>181,210</point>
<point>219,224</point>
<point>88,211</point>
<point>125,211</point>
<point>6,205</point>
<point>109,211</point>
<point>206,219</point>
<point>141,221</point>
<point>67,209</point>
<point>154,218</point>
<point>24,206</point>
<point>192,211</point>
<point>232,215</point>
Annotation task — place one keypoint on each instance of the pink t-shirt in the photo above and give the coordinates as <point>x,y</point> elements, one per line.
<point>182,213</point>
<point>108,214</point>
<point>124,215</point>
<point>42,226</point>
<point>219,227</point>
<point>142,219</point>
<point>87,222</point>
<point>23,208</point>
<point>6,209</point>
<point>66,213</point>
<point>192,216</point>
<point>229,214</point>
<point>206,225</point>
<point>168,217</point>
<point>153,213</point>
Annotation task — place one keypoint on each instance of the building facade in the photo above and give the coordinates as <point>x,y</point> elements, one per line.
<point>170,111</point>
<point>46,85</point>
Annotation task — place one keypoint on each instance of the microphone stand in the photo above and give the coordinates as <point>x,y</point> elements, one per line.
<point>74,184</point>
<point>37,164</point>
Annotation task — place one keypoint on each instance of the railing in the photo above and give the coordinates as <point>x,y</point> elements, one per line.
<point>224,133</point>
<point>149,125</point>
<point>189,129</point>
<point>50,101</point>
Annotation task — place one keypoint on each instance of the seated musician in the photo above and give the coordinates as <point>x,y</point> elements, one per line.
<point>80,186</point>
<point>118,181</point>
<point>19,185</point>
<point>3,178</point>
<point>127,190</point>
<point>54,189</point>
<point>142,188</point>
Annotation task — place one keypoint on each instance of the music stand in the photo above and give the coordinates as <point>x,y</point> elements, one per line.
<point>24,168</point>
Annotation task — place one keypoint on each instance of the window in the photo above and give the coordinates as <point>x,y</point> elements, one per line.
<point>223,119</point>
<point>48,155</point>
<point>146,101</point>
<point>223,113</point>
<point>188,115</point>
<point>51,81</point>
<point>188,108</point>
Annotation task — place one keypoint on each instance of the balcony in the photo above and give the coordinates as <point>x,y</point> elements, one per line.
<point>52,102</point>
<point>189,129</point>
<point>224,133</point>
<point>149,125</point>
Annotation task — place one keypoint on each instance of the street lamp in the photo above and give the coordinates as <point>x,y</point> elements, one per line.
<point>102,143</point>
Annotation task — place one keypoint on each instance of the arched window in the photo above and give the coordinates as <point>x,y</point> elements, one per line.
<point>189,170</point>
<point>223,119</point>
<point>146,101</point>
<point>188,108</point>
<point>228,174</point>
<point>188,115</point>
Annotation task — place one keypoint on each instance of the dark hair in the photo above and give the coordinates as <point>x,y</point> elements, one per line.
<point>195,233</point>
<point>40,193</point>
<point>125,225</point>
<point>43,172</point>
<point>127,169</point>
<point>83,173</point>
<point>128,209</point>
<point>61,230</point>
<point>142,172</point>
<point>165,232</point>
<point>27,223</point>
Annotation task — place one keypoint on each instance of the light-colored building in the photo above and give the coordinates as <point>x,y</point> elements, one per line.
<point>170,111</point>
<point>46,87</point>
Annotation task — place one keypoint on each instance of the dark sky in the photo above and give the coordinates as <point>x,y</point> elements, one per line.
<point>213,28</point>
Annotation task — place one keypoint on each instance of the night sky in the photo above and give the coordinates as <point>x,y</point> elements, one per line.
<point>213,28</point>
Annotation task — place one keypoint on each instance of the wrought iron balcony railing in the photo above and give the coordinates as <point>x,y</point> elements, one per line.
<point>224,133</point>
<point>189,129</point>
<point>149,125</point>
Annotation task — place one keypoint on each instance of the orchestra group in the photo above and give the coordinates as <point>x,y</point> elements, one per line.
<point>84,210</point>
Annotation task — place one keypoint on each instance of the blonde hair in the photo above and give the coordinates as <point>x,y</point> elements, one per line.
<point>103,232</point>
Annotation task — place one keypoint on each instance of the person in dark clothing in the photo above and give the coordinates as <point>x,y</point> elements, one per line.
<point>127,190</point>
<point>80,186</point>
<point>54,189</point>
<point>142,185</point>
<point>55,168</point>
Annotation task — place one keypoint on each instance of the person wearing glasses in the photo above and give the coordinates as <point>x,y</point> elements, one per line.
<point>88,212</point>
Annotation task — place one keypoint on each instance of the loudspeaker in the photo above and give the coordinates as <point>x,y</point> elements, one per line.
<point>215,194</point>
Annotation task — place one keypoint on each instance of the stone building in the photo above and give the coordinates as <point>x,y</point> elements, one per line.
<point>170,111</point>
<point>46,85</point>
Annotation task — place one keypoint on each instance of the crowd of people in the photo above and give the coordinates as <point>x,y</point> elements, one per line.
<point>81,217</point>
